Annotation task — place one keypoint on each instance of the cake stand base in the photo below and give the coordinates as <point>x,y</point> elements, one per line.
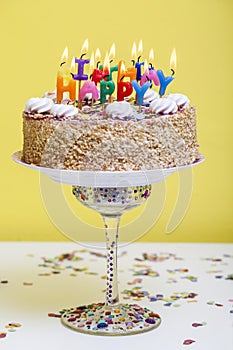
<point>101,319</point>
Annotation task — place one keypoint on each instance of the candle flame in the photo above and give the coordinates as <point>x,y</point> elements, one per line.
<point>106,66</point>
<point>146,66</point>
<point>151,55</point>
<point>134,51</point>
<point>112,52</point>
<point>122,68</point>
<point>72,66</point>
<point>140,48</point>
<point>92,63</point>
<point>173,59</point>
<point>84,48</point>
<point>97,54</point>
<point>64,56</point>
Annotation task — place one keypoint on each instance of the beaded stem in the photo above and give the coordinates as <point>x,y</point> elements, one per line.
<point>111,224</point>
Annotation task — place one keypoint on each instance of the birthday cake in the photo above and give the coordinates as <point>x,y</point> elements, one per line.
<point>137,130</point>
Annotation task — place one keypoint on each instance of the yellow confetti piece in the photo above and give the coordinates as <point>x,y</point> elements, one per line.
<point>27,283</point>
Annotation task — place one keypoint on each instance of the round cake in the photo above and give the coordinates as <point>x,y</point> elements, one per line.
<point>112,136</point>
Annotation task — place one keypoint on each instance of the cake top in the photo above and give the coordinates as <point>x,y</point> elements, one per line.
<point>110,91</point>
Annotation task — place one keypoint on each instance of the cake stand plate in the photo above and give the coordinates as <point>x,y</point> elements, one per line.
<point>110,193</point>
<point>105,178</point>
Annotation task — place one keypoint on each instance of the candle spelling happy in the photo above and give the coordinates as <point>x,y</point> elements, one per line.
<point>165,81</point>
<point>124,88</point>
<point>66,84</point>
<point>106,87</point>
<point>139,64</point>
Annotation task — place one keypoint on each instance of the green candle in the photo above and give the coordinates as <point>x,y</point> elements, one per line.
<point>112,69</point>
<point>106,88</point>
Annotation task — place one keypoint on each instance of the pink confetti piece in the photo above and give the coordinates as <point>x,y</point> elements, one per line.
<point>188,341</point>
<point>135,281</point>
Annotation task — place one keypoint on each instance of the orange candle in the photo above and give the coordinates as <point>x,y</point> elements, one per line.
<point>131,73</point>
<point>63,86</point>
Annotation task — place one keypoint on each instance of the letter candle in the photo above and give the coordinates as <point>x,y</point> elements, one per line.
<point>97,74</point>
<point>70,85</point>
<point>138,64</point>
<point>112,54</point>
<point>149,75</point>
<point>81,62</point>
<point>88,87</point>
<point>151,59</point>
<point>112,69</point>
<point>106,87</point>
<point>63,70</point>
<point>124,88</point>
<point>140,91</point>
<point>165,81</point>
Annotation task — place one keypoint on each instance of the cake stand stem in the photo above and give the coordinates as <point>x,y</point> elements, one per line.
<point>111,224</point>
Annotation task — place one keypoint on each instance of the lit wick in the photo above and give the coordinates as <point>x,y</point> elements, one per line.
<point>83,55</point>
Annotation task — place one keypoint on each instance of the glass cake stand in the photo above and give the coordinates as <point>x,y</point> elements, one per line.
<point>111,194</point>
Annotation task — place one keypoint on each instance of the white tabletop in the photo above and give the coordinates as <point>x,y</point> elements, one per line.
<point>29,290</point>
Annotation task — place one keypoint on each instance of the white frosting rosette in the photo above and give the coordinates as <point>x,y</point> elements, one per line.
<point>181,100</point>
<point>163,106</point>
<point>119,109</point>
<point>150,95</point>
<point>39,105</point>
<point>62,110</point>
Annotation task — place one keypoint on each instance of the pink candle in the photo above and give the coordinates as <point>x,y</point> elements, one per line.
<point>88,87</point>
<point>150,75</point>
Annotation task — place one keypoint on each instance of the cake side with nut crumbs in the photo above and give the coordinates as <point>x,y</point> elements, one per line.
<point>116,137</point>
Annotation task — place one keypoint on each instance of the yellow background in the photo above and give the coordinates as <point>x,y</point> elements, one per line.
<point>33,36</point>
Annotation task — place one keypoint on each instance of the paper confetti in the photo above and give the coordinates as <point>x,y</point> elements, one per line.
<point>188,341</point>
<point>146,272</point>
<point>230,277</point>
<point>27,283</point>
<point>195,324</point>
<point>4,281</point>
<point>135,281</point>
<point>157,257</point>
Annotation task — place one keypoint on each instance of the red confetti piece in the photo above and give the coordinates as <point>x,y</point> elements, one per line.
<point>197,324</point>
<point>2,335</point>
<point>52,314</point>
<point>219,305</point>
<point>188,341</point>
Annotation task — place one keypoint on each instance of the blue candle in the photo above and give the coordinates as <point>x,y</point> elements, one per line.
<point>138,67</point>
<point>140,91</point>
<point>164,81</point>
